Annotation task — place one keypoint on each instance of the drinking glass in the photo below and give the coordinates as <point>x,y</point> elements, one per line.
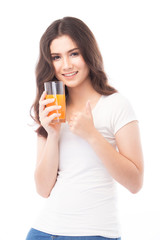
<point>56,89</point>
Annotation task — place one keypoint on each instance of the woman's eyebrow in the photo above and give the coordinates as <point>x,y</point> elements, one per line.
<point>67,52</point>
<point>73,50</point>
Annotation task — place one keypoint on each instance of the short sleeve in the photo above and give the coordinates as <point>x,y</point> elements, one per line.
<point>122,113</point>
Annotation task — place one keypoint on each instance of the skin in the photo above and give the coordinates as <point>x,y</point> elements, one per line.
<point>125,166</point>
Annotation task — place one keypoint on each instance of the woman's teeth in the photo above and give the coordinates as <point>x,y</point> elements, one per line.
<point>70,74</point>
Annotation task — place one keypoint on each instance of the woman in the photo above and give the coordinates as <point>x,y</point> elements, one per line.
<point>80,161</point>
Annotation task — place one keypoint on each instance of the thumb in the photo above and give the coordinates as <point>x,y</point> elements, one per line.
<point>88,107</point>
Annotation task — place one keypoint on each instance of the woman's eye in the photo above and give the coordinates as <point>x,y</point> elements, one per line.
<point>54,58</point>
<point>75,54</point>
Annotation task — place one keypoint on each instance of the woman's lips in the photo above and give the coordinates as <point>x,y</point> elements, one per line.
<point>71,74</point>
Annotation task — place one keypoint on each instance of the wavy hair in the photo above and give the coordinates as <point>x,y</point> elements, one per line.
<point>79,32</point>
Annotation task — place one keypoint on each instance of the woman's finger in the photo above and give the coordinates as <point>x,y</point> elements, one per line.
<point>46,101</point>
<point>41,106</point>
<point>48,120</point>
<point>43,96</point>
<point>50,109</point>
<point>44,114</point>
<point>53,116</point>
<point>43,103</point>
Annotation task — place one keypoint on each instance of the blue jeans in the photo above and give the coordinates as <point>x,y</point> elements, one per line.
<point>38,235</point>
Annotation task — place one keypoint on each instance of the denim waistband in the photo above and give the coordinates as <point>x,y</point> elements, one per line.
<point>39,235</point>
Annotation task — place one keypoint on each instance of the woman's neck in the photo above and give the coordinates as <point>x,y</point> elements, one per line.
<point>78,96</point>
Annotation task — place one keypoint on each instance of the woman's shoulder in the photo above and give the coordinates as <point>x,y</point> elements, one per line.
<point>116,103</point>
<point>115,98</point>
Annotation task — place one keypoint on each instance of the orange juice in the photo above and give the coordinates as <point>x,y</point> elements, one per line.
<point>60,101</point>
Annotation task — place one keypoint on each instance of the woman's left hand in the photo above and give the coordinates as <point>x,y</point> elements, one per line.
<point>81,123</point>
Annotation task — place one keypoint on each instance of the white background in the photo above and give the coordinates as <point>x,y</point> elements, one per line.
<point>129,39</point>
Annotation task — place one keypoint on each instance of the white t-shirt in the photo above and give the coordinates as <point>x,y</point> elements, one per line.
<point>83,201</point>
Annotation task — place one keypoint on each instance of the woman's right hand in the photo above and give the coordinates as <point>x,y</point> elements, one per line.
<point>45,120</point>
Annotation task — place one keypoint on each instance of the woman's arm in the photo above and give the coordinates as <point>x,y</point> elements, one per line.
<point>125,166</point>
<point>47,149</point>
<point>47,164</point>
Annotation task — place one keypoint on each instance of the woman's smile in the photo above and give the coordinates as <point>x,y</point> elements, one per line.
<point>70,74</point>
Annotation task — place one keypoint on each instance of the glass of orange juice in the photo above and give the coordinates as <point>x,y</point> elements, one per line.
<point>56,89</point>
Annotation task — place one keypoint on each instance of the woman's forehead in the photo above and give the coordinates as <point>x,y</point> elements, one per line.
<point>61,44</point>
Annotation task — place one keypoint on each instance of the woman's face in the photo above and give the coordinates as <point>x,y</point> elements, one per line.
<point>68,62</point>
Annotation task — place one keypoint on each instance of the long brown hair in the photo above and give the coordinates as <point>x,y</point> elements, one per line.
<point>85,40</point>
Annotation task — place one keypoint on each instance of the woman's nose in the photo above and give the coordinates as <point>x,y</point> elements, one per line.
<point>67,64</point>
